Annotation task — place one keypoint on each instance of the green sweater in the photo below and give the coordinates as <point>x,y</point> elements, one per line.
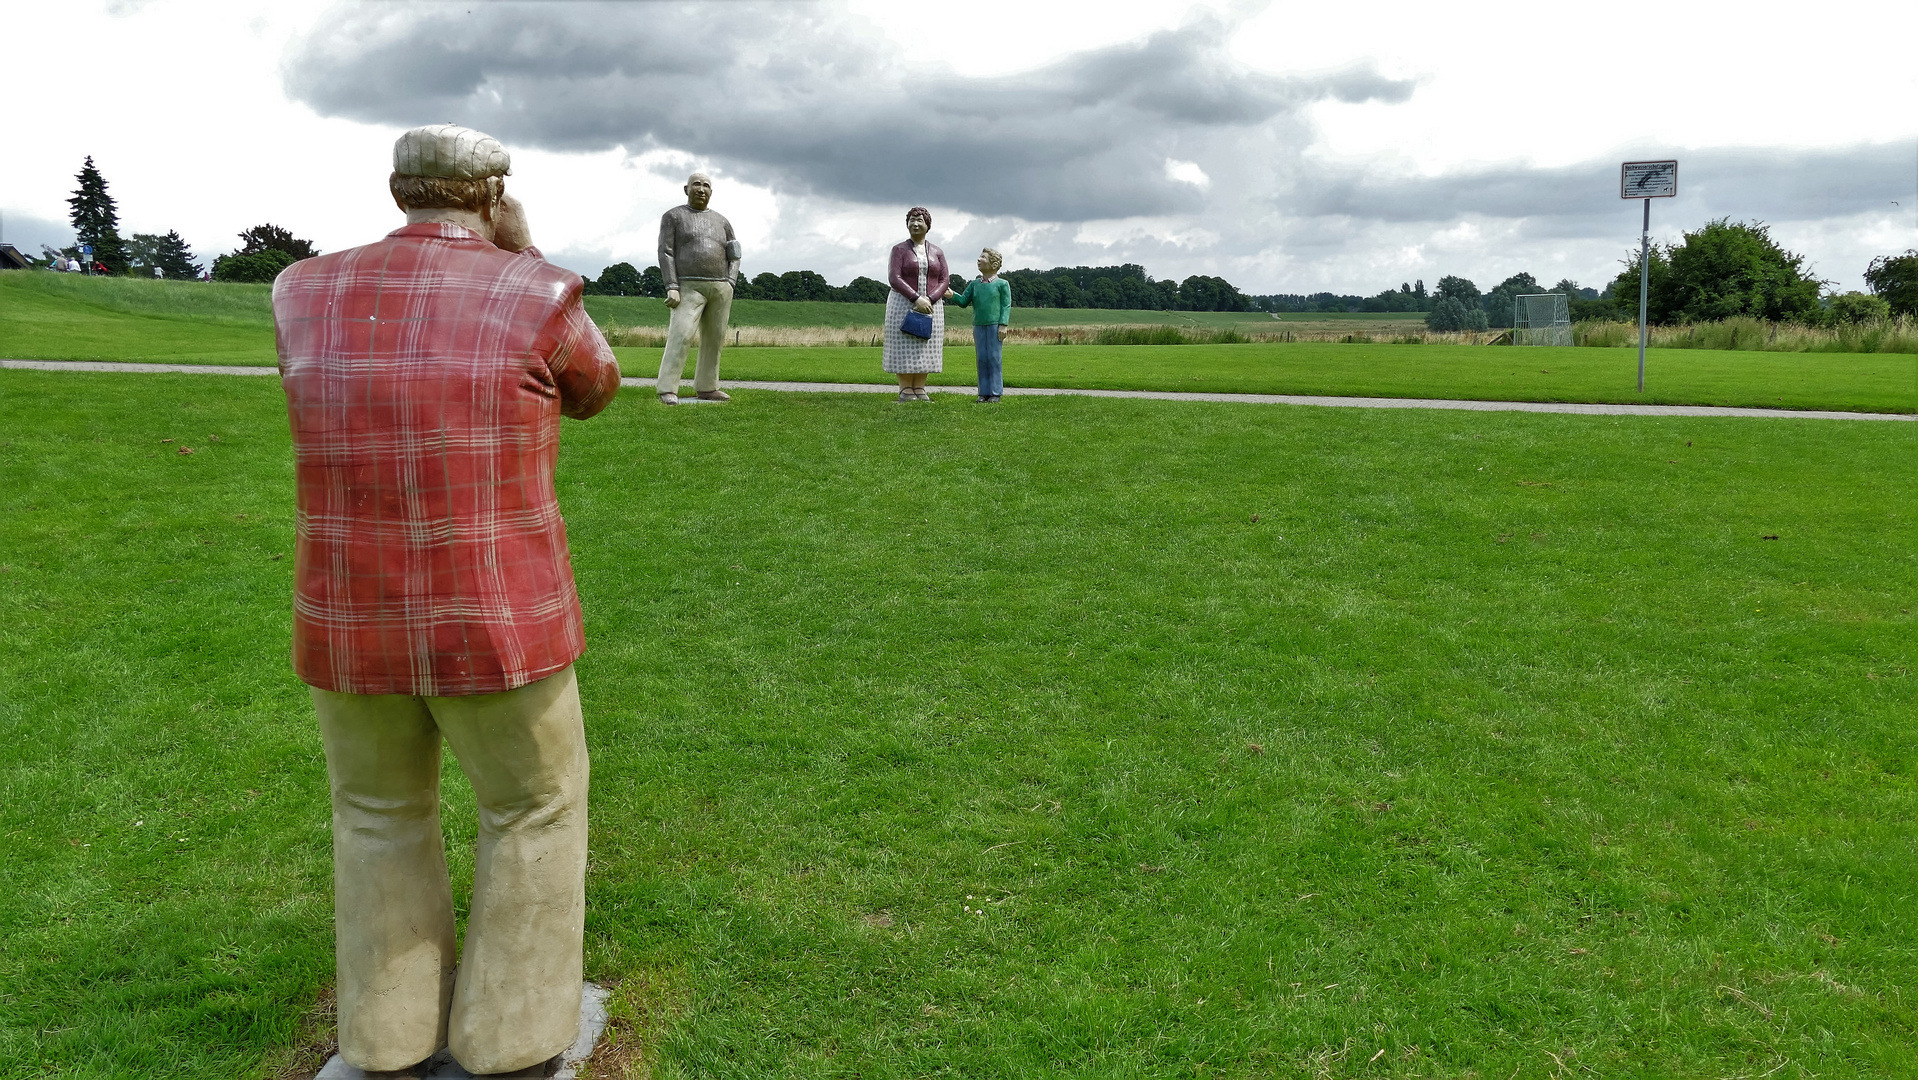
<point>990,301</point>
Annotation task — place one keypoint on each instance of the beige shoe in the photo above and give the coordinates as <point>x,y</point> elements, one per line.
<point>669,399</point>
<point>714,395</point>
<point>907,395</point>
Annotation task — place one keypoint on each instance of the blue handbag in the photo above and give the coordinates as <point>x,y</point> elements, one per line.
<point>918,324</point>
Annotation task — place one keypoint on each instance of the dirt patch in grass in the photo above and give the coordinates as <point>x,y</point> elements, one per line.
<point>641,1008</point>
<point>318,1039</point>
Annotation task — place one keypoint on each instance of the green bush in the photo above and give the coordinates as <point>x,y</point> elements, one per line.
<point>1894,279</point>
<point>1856,307</point>
<point>1723,271</point>
<point>1451,315</point>
<point>257,268</point>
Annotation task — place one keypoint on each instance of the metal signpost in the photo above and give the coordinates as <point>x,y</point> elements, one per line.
<point>1646,180</point>
<point>86,259</point>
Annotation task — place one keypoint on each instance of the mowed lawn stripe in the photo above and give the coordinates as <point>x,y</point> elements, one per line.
<point>1073,737</point>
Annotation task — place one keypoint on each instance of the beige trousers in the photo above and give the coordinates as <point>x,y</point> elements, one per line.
<point>515,1001</point>
<point>705,306</point>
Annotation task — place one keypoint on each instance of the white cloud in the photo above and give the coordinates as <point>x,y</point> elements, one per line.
<point>1187,172</point>
<point>1348,197</point>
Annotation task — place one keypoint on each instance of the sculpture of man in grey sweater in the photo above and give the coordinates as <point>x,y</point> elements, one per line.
<point>699,261</point>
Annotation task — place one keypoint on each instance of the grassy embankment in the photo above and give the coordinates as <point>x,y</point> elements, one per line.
<point>1074,737</point>
<point>46,316</point>
<point>53,317</point>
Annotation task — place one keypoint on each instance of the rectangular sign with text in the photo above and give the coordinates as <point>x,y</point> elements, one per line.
<point>1648,180</point>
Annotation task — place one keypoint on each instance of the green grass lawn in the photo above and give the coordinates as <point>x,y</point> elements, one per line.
<point>1865,382</point>
<point>1069,737</point>
<point>65,317</point>
<point>46,316</point>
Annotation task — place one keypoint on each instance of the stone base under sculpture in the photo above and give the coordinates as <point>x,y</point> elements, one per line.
<point>441,1066</point>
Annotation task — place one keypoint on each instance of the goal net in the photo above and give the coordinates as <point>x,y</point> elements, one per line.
<point>1542,319</point>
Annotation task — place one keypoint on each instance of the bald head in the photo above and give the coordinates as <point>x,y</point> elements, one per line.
<point>699,190</point>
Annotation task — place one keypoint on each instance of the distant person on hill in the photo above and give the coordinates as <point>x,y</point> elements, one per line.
<point>990,298</point>
<point>699,262</point>
<point>915,348</point>
<point>433,603</point>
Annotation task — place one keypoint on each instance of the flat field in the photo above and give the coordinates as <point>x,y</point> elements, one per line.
<point>129,319</point>
<point>1858,382</point>
<point>1071,737</point>
<point>47,316</point>
<point>63,317</point>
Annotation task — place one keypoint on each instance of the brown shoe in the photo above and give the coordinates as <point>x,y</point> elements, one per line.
<point>714,395</point>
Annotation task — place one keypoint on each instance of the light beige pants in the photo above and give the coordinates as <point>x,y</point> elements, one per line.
<point>705,306</point>
<point>516,999</point>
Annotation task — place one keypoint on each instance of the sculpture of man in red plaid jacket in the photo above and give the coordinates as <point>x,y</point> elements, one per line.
<point>425,376</point>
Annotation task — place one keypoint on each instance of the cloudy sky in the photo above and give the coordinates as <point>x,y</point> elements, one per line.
<point>1287,147</point>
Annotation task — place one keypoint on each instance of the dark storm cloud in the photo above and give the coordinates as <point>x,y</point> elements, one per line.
<point>1769,185</point>
<point>804,96</point>
<point>28,232</point>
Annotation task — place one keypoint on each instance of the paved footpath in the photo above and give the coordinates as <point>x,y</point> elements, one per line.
<point>1153,395</point>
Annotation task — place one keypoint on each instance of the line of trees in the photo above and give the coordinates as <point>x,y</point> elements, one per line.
<point>1410,296</point>
<point>1724,269</point>
<point>624,279</point>
<point>1126,287</point>
<point>264,250</point>
<point>1457,303</point>
<point>96,224</point>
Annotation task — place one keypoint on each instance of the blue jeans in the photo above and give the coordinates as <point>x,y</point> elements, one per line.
<point>986,346</point>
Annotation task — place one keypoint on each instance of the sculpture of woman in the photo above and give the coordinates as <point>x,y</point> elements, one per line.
<point>918,276</point>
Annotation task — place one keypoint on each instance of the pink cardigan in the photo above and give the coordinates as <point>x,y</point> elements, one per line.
<point>904,271</point>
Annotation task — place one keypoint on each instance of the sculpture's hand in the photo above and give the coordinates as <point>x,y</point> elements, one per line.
<point>922,305</point>
<point>949,293</point>
<point>510,232</point>
<point>672,298</point>
<point>1002,331</point>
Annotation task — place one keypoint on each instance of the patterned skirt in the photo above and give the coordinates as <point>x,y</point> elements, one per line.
<point>907,355</point>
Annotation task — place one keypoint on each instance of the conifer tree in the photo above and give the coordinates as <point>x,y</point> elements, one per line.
<point>96,221</point>
<point>169,253</point>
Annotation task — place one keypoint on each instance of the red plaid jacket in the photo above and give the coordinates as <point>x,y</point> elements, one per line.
<point>425,377</point>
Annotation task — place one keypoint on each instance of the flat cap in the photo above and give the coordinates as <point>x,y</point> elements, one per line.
<point>451,151</point>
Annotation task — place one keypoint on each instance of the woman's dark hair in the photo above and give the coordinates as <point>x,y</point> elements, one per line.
<point>922,212</point>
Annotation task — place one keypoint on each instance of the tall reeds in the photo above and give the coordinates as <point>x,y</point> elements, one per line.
<point>1898,335</point>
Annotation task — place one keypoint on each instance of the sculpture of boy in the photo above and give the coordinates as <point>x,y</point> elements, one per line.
<point>699,261</point>
<point>990,298</point>
<point>425,378</point>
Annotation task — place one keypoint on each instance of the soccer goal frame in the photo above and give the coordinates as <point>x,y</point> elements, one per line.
<point>1541,319</point>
